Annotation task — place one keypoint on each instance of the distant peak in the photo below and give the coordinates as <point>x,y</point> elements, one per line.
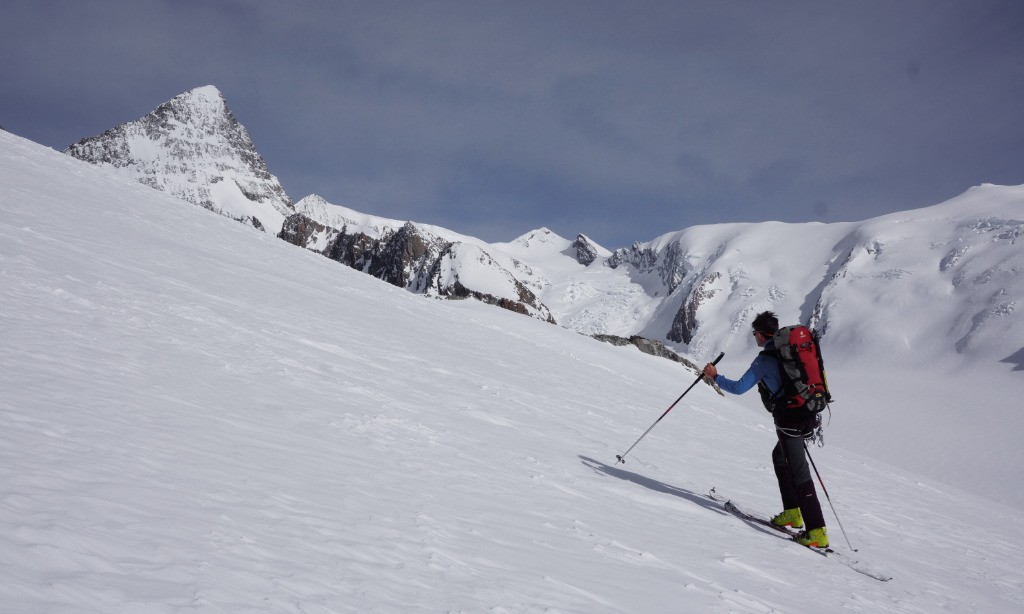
<point>312,199</point>
<point>208,93</point>
<point>206,90</point>
<point>541,235</point>
<point>203,109</point>
<point>205,97</point>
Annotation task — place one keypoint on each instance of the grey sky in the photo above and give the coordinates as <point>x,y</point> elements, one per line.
<point>621,120</point>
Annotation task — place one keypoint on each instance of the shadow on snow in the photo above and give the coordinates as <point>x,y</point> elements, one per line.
<point>655,485</point>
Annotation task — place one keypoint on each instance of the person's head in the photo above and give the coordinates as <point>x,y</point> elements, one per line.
<point>765,325</point>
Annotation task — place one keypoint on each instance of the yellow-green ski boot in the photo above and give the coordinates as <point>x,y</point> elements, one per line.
<point>789,518</point>
<point>815,538</point>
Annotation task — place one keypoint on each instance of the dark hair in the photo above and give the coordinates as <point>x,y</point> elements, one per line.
<point>766,323</point>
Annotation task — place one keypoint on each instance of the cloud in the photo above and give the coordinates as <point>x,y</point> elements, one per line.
<point>500,116</point>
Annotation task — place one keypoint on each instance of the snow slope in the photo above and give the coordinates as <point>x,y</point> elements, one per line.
<point>201,418</point>
<point>923,333</point>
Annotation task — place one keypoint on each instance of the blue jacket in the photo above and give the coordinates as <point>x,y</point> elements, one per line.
<point>763,368</point>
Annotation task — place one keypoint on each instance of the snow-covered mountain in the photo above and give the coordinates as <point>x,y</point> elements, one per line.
<point>863,285</point>
<point>924,296</point>
<point>198,417</point>
<point>418,257</point>
<point>193,147</point>
<point>695,289</point>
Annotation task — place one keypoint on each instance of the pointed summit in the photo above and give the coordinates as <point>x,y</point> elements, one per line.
<point>209,93</point>
<point>202,107</point>
<point>193,147</point>
<point>541,235</point>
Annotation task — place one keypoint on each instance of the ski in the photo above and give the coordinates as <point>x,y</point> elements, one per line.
<point>829,553</point>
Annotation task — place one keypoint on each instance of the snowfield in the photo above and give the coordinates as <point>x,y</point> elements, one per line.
<point>198,417</point>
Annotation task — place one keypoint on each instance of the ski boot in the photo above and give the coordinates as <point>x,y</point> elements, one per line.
<point>789,518</point>
<point>815,538</point>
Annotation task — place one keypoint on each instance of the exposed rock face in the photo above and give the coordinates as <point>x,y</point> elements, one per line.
<point>406,257</point>
<point>193,147</point>
<point>647,346</point>
<point>670,264</point>
<point>685,322</point>
<point>462,266</point>
<point>419,261</point>
<point>643,258</point>
<point>302,231</point>
<point>586,253</point>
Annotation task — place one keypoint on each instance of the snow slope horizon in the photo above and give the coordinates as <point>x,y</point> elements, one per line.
<point>202,418</point>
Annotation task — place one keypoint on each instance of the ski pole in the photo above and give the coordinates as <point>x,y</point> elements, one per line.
<point>825,490</point>
<point>621,458</point>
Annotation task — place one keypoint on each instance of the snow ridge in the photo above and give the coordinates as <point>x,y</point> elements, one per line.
<point>421,258</point>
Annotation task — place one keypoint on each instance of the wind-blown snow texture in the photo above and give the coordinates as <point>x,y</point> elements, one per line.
<point>202,418</point>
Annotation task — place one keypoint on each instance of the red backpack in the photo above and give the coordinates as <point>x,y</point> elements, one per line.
<point>801,369</point>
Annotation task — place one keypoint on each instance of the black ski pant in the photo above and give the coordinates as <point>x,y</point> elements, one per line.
<point>794,475</point>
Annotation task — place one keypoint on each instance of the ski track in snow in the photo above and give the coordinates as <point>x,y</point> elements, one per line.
<point>199,418</point>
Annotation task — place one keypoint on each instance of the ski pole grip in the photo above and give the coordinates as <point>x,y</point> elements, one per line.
<point>720,356</point>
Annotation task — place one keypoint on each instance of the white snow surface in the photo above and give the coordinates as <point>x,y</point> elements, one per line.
<point>475,269</point>
<point>340,217</point>
<point>922,306</point>
<point>198,417</point>
<point>590,299</point>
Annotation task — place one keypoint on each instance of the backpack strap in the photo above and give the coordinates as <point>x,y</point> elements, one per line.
<point>769,400</point>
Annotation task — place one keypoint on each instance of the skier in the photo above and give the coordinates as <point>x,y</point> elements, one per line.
<point>799,498</point>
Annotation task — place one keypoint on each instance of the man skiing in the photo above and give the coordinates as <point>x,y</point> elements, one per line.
<point>799,498</point>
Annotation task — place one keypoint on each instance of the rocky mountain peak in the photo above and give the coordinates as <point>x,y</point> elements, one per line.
<point>193,147</point>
